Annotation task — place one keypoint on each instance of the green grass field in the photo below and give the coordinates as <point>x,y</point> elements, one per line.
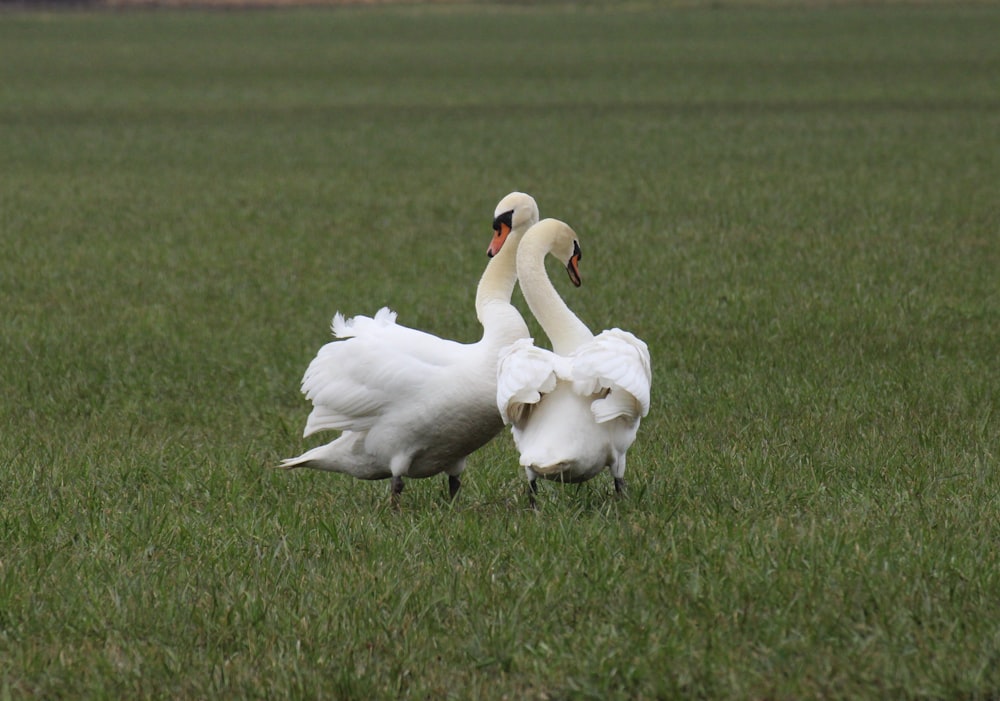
<point>797,209</point>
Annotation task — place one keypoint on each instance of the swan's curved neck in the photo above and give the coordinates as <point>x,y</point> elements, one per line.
<point>500,319</point>
<point>560,324</point>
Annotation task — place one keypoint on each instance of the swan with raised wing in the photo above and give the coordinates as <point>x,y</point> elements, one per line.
<point>408,403</point>
<point>574,410</point>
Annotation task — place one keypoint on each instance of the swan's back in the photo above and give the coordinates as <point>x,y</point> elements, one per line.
<point>379,367</point>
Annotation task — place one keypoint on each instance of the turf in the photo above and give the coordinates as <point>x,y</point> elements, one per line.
<point>795,208</point>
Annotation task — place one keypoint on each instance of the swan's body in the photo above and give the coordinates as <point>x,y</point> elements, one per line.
<point>411,404</point>
<point>575,410</point>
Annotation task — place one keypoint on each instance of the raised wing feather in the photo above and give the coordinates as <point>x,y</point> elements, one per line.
<point>618,362</point>
<point>376,363</point>
<point>524,373</point>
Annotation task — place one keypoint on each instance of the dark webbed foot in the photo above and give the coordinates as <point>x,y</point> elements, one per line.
<point>532,492</point>
<point>454,484</point>
<point>620,486</point>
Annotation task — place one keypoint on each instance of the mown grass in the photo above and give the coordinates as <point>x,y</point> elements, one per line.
<point>795,208</point>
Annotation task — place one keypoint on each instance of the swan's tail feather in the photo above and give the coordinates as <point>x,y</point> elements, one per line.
<point>346,455</point>
<point>310,458</point>
<point>547,470</point>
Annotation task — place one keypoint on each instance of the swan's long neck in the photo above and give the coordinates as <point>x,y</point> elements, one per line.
<point>560,324</point>
<point>502,322</point>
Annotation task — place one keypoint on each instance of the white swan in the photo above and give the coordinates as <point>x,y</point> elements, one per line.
<point>411,404</point>
<point>576,409</point>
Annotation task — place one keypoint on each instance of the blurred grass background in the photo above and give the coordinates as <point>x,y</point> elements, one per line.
<point>794,206</point>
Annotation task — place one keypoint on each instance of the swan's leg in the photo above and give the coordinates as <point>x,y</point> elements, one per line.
<point>532,492</point>
<point>618,472</point>
<point>454,478</point>
<point>532,485</point>
<point>397,489</point>
<point>399,465</point>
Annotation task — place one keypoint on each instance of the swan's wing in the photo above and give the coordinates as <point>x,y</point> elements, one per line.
<point>346,328</point>
<point>616,362</point>
<point>376,365</point>
<point>382,332</point>
<point>524,373</point>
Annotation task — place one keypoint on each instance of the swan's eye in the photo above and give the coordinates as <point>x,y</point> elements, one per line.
<point>577,253</point>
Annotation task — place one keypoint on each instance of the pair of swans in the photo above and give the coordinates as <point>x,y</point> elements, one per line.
<point>410,404</point>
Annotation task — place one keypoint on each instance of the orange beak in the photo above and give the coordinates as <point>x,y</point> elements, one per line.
<point>573,266</point>
<point>500,234</point>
